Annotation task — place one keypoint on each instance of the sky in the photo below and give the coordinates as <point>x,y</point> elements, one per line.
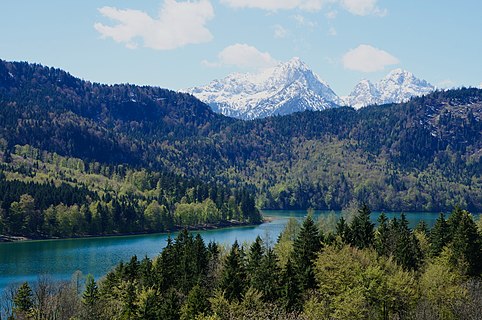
<point>179,44</point>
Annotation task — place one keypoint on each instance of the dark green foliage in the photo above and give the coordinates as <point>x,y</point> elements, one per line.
<point>382,239</point>
<point>407,249</point>
<point>269,276</point>
<point>290,294</point>
<point>439,236</point>
<point>421,155</point>
<point>255,256</point>
<point>305,248</point>
<point>234,274</point>
<point>196,303</point>
<point>466,243</point>
<point>361,229</point>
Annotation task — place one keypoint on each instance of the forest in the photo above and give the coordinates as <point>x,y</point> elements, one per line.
<point>423,155</point>
<point>352,269</point>
<point>44,195</point>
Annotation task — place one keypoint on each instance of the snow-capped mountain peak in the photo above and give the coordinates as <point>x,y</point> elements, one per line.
<point>286,88</point>
<point>397,86</point>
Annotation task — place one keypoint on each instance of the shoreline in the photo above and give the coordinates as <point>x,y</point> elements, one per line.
<point>208,226</point>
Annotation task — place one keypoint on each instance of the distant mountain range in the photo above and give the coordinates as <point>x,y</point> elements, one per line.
<point>292,86</point>
<point>398,86</point>
<point>422,155</point>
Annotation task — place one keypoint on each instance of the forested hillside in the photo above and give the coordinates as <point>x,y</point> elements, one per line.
<point>44,195</point>
<point>421,155</point>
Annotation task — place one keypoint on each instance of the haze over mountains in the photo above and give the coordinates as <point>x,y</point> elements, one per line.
<point>292,86</point>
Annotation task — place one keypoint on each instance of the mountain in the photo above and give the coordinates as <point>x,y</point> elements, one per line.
<point>398,86</point>
<point>286,88</point>
<point>424,154</point>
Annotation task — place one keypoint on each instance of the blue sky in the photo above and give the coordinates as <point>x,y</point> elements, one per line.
<point>177,44</point>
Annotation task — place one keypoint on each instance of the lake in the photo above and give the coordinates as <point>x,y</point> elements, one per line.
<point>25,261</point>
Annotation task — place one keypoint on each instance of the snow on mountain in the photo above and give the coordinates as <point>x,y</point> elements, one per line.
<point>286,88</point>
<point>398,86</point>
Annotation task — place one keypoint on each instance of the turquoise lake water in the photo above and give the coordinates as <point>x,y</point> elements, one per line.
<point>59,259</point>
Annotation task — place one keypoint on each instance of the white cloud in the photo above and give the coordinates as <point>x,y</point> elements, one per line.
<point>480,85</point>
<point>356,7</point>
<point>366,58</point>
<point>273,5</point>
<point>363,7</point>
<point>332,31</point>
<point>178,24</point>
<point>242,56</point>
<point>302,21</point>
<point>280,32</point>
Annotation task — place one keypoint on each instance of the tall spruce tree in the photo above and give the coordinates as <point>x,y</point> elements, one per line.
<point>255,256</point>
<point>233,276</point>
<point>466,245</point>
<point>407,251</point>
<point>362,230</point>
<point>306,246</point>
<point>290,293</point>
<point>382,236</point>
<point>439,236</point>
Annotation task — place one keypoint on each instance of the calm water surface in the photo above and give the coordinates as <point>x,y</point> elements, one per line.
<point>25,261</point>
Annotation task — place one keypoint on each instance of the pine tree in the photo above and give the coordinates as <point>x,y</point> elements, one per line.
<point>196,303</point>
<point>91,292</point>
<point>233,275</point>
<point>467,245</point>
<point>439,236</point>
<point>290,289</point>
<point>23,300</point>
<point>255,256</point>
<point>407,251</point>
<point>306,246</point>
<point>382,236</point>
<point>269,276</point>
<point>362,230</point>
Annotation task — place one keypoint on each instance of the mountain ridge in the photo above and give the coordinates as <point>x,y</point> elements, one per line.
<point>292,87</point>
<point>397,86</point>
<point>420,155</point>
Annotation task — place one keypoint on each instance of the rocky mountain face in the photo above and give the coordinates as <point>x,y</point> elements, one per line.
<point>398,86</point>
<point>292,87</point>
<point>286,88</point>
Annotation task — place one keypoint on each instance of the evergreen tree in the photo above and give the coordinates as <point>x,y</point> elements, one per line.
<point>23,300</point>
<point>253,267</point>
<point>233,276</point>
<point>269,284</point>
<point>91,292</point>
<point>407,251</point>
<point>306,246</point>
<point>290,294</point>
<point>343,230</point>
<point>382,236</point>
<point>439,236</point>
<point>362,230</point>
<point>196,303</point>
<point>466,245</point>
<point>90,298</point>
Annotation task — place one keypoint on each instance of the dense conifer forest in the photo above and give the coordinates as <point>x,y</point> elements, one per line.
<point>423,155</point>
<point>352,270</point>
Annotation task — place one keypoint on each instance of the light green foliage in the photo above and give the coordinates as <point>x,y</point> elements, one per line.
<point>284,247</point>
<point>372,284</point>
